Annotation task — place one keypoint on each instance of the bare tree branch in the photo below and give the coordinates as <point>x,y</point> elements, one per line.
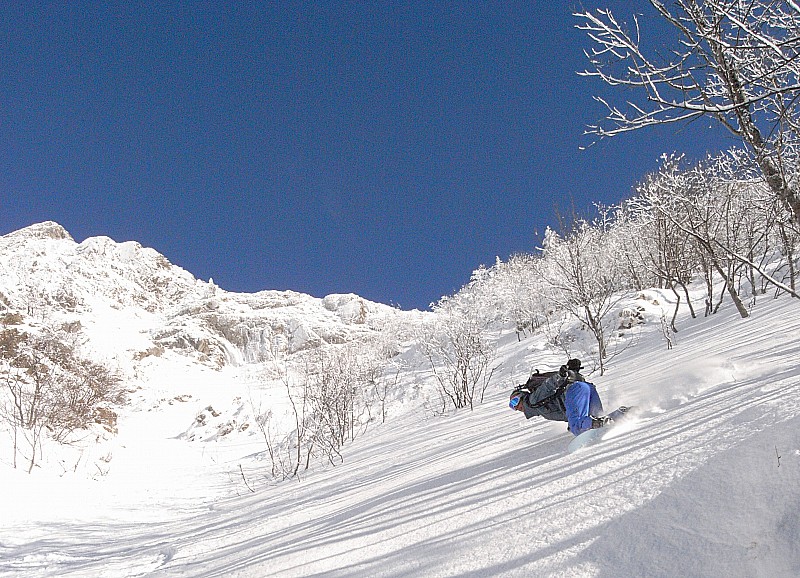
<point>735,61</point>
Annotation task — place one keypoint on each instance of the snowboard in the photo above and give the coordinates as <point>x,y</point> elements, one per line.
<point>593,436</point>
<point>587,438</point>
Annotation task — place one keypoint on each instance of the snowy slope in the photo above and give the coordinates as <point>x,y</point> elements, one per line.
<point>693,490</point>
<point>705,483</point>
<point>180,344</point>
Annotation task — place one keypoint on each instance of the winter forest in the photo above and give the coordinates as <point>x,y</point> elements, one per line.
<point>289,382</point>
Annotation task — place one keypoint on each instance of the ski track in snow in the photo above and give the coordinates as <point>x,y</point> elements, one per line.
<point>704,482</point>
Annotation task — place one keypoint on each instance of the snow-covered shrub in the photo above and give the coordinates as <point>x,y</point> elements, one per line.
<point>458,349</point>
<point>630,317</point>
<point>334,393</point>
<point>50,390</point>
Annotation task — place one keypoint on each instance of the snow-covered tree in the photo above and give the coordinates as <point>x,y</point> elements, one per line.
<point>735,61</point>
<point>585,277</point>
<point>49,391</point>
<point>457,346</point>
<point>726,218</point>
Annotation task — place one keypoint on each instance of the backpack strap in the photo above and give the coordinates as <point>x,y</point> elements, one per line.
<point>555,396</point>
<point>537,378</point>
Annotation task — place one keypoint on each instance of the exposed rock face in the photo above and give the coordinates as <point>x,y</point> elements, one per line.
<point>45,272</point>
<point>45,230</point>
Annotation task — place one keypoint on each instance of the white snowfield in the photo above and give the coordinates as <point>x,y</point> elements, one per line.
<point>705,482</point>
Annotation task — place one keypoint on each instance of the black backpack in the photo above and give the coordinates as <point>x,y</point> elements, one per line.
<point>534,381</point>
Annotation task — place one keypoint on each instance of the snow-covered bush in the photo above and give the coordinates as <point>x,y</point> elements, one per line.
<point>457,347</point>
<point>333,394</point>
<point>50,391</point>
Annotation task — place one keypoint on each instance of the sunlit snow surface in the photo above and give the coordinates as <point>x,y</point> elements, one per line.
<point>705,482</point>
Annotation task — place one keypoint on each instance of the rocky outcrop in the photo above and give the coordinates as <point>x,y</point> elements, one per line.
<point>43,271</point>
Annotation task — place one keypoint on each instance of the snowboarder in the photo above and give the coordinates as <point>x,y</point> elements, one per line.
<point>564,395</point>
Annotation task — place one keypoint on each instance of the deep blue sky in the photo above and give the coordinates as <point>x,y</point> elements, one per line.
<point>382,148</point>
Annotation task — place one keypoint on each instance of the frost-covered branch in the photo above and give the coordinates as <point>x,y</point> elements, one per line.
<point>734,61</point>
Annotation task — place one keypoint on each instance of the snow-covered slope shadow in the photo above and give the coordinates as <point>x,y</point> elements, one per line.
<point>694,488</point>
<point>735,515</point>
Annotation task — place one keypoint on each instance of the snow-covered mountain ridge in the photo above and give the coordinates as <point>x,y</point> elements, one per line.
<point>207,357</point>
<point>44,272</point>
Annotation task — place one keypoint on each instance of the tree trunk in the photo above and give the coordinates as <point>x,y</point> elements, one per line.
<point>751,135</point>
<point>732,291</point>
